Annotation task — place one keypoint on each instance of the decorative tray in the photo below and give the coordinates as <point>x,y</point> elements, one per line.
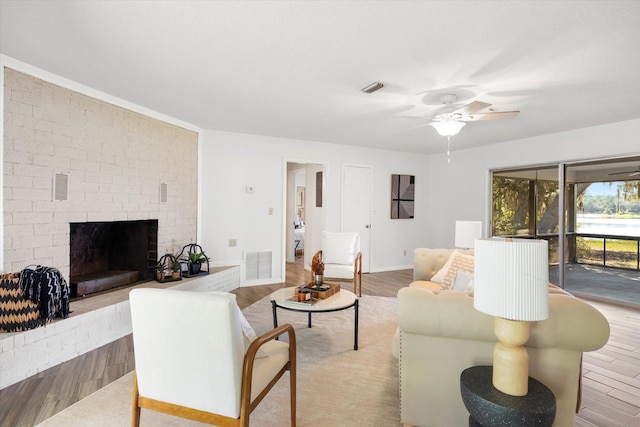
<point>326,290</point>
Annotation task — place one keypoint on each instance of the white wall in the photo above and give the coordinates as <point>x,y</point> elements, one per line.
<point>233,161</point>
<point>459,190</point>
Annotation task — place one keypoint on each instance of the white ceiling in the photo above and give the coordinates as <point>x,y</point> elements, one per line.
<point>295,68</point>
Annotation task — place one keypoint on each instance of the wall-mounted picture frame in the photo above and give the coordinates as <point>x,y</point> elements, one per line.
<point>402,196</point>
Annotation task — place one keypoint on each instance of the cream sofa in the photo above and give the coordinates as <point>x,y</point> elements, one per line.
<point>441,334</point>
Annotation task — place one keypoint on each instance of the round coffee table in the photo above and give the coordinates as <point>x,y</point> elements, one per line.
<point>340,301</point>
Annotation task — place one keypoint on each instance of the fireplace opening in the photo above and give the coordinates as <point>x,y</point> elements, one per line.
<point>107,255</point>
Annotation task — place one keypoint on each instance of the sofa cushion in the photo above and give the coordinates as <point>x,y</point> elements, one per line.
<point>456,262</point>
<point>426,284</point>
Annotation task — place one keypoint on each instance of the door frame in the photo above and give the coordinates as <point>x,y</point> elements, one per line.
<point>286,196</point>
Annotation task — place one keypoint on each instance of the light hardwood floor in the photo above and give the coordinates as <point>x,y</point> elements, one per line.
<point>611,375</point>
<point>611,381</point>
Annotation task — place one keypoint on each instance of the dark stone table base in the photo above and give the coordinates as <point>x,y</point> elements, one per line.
<point>489,406</point>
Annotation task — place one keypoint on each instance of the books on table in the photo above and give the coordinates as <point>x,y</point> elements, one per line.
<point>307,302</point>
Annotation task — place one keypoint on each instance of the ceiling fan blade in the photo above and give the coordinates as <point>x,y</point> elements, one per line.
<point>471,108</point>
<point>495,115</point>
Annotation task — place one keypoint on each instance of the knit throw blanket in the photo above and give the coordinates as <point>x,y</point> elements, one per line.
<point>46,287</point>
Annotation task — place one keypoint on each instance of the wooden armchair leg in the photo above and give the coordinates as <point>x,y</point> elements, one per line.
<point>292,391</point>
<point>135,409</point>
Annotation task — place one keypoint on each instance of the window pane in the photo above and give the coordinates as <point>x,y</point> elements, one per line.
<point>510,201</point>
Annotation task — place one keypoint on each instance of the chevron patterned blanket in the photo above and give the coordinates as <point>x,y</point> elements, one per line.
<point>32,298</point>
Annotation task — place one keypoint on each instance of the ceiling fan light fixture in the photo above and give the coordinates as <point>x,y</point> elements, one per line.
<point>448,127</point>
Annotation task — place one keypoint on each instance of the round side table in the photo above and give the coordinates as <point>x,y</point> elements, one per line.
<point>489,406</point>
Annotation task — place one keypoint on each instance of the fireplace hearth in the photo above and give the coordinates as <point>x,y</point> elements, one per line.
<point>107,255</point>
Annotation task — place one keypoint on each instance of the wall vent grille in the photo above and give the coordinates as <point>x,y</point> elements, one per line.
<point>258,265</point>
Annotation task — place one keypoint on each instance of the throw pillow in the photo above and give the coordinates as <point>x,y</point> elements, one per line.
<point>463,282</point>
<point>440,275</point>
<point>457,261</point>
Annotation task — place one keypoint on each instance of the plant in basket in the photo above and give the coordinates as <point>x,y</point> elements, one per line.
<point>160,271</point>
<point>195,260</point>
<point>175,269</point>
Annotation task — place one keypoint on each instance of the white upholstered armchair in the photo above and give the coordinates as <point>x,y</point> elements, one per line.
<point>342,258</point>
<point>193,360</point>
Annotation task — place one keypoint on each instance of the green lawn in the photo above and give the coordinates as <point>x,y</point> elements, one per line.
<point>613,245</point>
<point>620,253</point>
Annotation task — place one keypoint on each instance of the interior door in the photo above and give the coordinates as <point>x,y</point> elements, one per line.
<point>357,190</point>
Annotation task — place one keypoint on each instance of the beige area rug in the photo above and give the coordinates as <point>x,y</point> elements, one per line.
<point>337,386</point>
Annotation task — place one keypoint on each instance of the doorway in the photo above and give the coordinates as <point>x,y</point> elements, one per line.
<point>304,218</point>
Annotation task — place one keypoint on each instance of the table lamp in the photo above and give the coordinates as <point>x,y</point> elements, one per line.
<point>467,232</point>
<point>511,279</point>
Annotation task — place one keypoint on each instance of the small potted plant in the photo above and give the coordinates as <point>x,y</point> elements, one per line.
<point>160,274</point>
<point>195,261</point>
<point>175,269</point>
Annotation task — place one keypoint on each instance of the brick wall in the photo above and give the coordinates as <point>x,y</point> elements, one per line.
<point>116,160</point>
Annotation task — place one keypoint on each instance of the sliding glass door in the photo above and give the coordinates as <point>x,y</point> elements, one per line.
<point>603,229</point>
<point>525,204</point>
<point>596,217</point>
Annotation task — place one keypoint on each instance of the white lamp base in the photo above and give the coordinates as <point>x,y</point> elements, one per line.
<point>510,357</point>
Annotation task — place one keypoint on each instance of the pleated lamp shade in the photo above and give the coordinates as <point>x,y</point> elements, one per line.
<point>511,278</point>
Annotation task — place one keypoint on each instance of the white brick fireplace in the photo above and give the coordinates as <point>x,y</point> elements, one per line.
<point>116,161</point>
<point>121,165</point>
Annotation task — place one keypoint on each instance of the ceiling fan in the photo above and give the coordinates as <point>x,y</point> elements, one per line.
<point>448,121</point>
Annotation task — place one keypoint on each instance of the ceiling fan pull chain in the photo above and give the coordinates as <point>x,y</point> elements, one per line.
<point>448,149</point>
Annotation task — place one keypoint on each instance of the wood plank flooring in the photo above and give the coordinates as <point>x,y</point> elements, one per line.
<point>611,375</point>
<point>611,380</point>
